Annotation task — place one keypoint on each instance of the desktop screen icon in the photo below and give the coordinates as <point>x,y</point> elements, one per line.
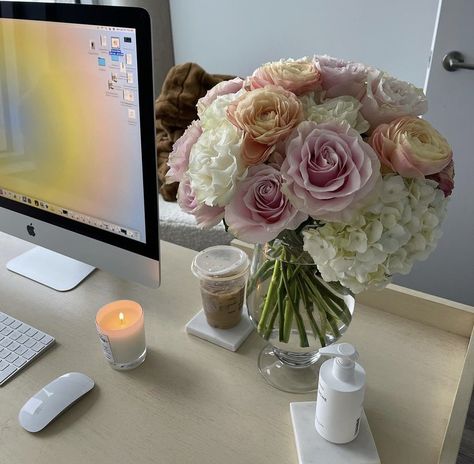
<point>115,42</point>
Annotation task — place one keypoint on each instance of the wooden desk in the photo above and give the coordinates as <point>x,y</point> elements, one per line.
<point>192,402</point>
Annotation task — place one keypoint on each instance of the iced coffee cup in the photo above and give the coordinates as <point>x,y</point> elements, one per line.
<point>222,272</point>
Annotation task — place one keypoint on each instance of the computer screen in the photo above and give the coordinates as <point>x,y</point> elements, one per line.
<point>77,123</point>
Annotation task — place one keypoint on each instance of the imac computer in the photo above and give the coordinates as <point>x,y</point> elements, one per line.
<point>77,141</point>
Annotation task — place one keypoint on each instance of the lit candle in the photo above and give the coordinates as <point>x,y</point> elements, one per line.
<point>121,329</point>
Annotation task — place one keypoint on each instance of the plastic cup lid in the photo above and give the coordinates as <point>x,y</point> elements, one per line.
<point>222,261</point>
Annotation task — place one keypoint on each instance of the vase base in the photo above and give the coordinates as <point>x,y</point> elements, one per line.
<point>286,377</point>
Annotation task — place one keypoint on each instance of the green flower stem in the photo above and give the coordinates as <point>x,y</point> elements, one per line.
<point>299,320</point>
<point>324,308</point>
<point>270,298</point>
<point>333,324</point>
<point>269,328</point>
<point>317,332</point>
<point>281,311</point>
<point>319,302</point>
<point>263,273</point>
<point>277,308</point>
<point>336,312</point>
<point>288,322</point>
<point>337,305</point>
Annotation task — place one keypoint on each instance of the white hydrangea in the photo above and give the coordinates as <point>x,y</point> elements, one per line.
<point>340,109</point>
<point>215,165</point>
<point>216,113</point>
<point>400,226</point>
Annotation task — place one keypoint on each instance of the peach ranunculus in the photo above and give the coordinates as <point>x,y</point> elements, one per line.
<point>411,146</point>
<point>297,76</point>
<point>266,116</point>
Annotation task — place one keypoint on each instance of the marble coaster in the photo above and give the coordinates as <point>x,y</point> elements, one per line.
<point>230,339</point>
<point>314,449</point>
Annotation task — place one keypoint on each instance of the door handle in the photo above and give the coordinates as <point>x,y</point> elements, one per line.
<point>454,61</point>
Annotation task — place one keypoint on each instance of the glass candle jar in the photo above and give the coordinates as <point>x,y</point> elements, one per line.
<point>121,329</point>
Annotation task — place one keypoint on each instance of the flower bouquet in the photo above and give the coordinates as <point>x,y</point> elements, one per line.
<point>326,165</point>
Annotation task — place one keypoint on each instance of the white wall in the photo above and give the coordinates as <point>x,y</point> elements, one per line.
<point>234,37</point>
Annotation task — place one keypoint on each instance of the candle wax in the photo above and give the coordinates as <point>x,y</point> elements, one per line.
<point>122,330</point>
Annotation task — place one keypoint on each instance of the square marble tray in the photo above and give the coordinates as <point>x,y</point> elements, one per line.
<point>314,449</point>
<point>230,339</point>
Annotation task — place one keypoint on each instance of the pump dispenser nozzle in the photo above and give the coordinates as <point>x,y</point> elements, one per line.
<point>346,355</point>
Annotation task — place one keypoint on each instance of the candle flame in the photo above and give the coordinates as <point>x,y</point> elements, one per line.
<point>121,317</point>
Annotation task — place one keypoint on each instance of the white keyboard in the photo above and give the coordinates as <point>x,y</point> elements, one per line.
<point>20,344</point>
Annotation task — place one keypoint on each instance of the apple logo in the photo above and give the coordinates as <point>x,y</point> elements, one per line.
<point>31,229</point>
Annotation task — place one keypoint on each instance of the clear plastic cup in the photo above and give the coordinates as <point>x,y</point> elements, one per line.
<point>222,272</point>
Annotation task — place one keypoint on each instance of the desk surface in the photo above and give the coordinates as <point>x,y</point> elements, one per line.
<point>192,402</point>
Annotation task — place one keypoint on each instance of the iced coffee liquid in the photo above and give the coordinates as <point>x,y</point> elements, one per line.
<point>222,304</point>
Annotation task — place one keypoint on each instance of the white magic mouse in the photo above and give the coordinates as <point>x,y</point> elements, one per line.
<point>47,404</point>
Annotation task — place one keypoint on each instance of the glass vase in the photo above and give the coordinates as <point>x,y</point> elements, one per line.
<point>295,310</point>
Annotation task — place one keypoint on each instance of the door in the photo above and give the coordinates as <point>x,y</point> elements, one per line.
<point>449,270</point>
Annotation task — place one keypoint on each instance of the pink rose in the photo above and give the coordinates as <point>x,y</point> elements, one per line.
<point>328,169</point>
<point>388,98</point>
<point>297,76</point>
<point>222,88</point>
<point>179,158</point>
<point>411,146</point>
<point>341,77</point>
<point>206,216</point>
<point>259,211</point>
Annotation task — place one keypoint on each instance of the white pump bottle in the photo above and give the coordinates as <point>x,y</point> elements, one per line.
<point>340,394</point>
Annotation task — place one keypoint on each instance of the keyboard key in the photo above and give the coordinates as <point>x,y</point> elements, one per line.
<point>20,343</point>
<point>13,346</point>
<point>20,350</point>
<point>15,334</point>
<point>24,328</point>
<point>5,342</point>
<point>7,372</point>
<point>29,343</point>
<point>6,331</point>
<point>8,320</point>
<point>22,339</point>
<point>31,332</point>
<point>11,357</point>
<point>19,362</point>
<point>28,354</point>
<point>47,339</point>
<point>38,336</point>
<point>15,324</point>
<point>37,347</point>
